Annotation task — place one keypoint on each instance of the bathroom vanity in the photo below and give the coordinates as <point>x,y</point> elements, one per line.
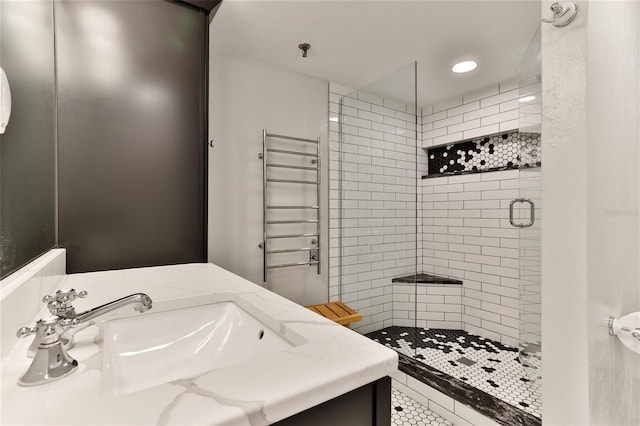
<point>214,349</point>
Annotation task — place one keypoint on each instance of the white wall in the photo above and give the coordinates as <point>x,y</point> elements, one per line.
<point>427,305</point>
<point>564,228</point>
<point>465,231</point>
<point>591,238</point>
<point>613,206</point>
<point>467,235</point>
<point>245,97</point>
<point>485,112</point>
<point>463,228</point>
<point>378,203</point>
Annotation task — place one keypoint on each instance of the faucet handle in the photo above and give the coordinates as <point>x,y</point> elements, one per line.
<point>26,331</point>
<point>65,296</point>
<point>54,307</point>
<point>48,329</point>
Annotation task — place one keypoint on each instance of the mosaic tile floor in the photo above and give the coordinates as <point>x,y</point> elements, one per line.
<point>482,363</point>
<point>406,411</point>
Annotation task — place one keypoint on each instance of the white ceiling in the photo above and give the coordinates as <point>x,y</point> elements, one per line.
<point>355,43</point>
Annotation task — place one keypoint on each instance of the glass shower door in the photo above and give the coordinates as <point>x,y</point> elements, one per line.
<point>529,212</point>
<point>378,208</point>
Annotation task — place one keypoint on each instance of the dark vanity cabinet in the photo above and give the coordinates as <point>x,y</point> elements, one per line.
<point>369,405</point>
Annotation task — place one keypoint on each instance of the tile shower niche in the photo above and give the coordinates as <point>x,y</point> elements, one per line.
<point>503,151</point>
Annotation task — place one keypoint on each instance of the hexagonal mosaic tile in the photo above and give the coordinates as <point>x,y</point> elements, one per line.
<point>480,362</point>
<point>406,411</point>
<point>493,152</point>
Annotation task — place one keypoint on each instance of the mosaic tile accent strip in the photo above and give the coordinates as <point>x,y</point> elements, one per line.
<point>497,370</point>
<point>513,149</point>
<point>406,411</point>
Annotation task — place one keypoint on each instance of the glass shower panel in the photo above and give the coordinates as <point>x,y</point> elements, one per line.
<point>530,175</point>
<point>378,178</point>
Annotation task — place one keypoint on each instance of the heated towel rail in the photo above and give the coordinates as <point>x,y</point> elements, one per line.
<point>267,164</point>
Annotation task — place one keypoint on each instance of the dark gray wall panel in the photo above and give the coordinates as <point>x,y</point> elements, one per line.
<point>131,99</point>
<point>27,149</point>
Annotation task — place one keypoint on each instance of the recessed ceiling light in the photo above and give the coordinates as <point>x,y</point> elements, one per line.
<point>464,66</point>
<point>527,98</point>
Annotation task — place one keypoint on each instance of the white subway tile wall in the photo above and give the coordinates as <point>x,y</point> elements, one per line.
<point>428,305</point>
<point>373,202</point>
<point>463,225</point>
<point>488,111</point>
<point>467,235</point>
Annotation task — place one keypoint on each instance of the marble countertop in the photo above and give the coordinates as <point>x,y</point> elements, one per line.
<point>334,360</point>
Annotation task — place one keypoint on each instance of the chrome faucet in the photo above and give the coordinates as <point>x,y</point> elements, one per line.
<point>54,334</point>
<point>51,361</point>
<point>142,303</point>
<point>60,304</point>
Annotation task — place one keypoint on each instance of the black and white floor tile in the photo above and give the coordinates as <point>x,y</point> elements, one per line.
<point>479,362</point>
<point>406,411</point>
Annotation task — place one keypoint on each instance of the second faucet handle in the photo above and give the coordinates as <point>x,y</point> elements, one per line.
<point>61,303</point>
<point>65,296</point>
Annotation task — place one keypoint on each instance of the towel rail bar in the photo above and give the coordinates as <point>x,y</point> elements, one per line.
<point>270,237</point>
<point>310,182</point>
<point>314,252</point>
<point>288,166</point>
<point>293,207</point>
<point>286,151</point>
<point>295,250</point>
<point>286,265</point>
<point>292,138</point>
<point>281,222</point>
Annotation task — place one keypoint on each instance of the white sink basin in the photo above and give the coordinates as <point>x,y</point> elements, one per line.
<point>155,348</point>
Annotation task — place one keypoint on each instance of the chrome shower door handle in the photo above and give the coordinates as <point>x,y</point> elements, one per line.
<point>532,210</point>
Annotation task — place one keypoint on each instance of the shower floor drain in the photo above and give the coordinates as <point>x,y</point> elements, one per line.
<point>465,361</point>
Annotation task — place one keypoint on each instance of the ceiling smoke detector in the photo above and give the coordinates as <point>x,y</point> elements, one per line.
<point>304,47</point>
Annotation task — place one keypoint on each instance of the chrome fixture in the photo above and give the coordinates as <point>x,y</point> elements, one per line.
<point>51,361</point>
<point>60,305</point>
<point>314,251</point>
<point>50,358</point>
<point>305,48</point>
<point>563,13</point>
<point>142,303</point>
<point>532,210</point>
<point>5,101</point>
<point>627,328</point>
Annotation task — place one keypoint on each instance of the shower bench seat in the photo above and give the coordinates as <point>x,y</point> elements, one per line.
<point>338,312</point>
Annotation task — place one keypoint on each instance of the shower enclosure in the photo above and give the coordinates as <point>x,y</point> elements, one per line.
<point>530,82</point>
<point>444,264</point>
<point>378,201</point>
